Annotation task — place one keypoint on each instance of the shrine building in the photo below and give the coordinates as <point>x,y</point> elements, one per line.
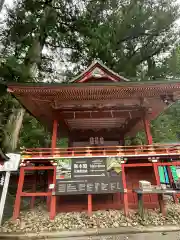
<point>95,111</point>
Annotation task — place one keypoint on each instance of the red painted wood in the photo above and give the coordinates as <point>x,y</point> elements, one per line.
<point>129,165</point>
<point>175,163</point>
<point>155,166</point>
<point>113,201</point>
<point>53,199</point>
<point>125,196</point>
<point>39,168</point>
<point>33,190</point>
<point>147,131</point>
<point>54,134</point>
<point>89,204</point>
<point>50,180</point>
<point>133,176</point>
<point>35,194</point>
<point>18,195</point>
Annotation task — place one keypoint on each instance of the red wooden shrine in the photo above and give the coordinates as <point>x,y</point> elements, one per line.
<point>96,111</point>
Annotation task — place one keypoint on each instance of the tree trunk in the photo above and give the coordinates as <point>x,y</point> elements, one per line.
<point>13,128</point>
<point>32,61</point>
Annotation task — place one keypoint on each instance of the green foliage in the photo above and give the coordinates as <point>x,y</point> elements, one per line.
<point>62,143</point>
<point>33,134</point>
<point>130,37</point>
<point>167,126</point>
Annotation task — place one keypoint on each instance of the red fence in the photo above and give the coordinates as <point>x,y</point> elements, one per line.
<point>122,151</point>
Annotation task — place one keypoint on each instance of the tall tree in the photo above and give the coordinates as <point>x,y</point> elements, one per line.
<point>129,36</point>
<point>31,28</point>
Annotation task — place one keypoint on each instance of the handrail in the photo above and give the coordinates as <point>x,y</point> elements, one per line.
<point>124,151</point>
<point>132,146</point>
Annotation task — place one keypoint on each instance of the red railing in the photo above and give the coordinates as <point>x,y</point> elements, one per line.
<point>122,151</point>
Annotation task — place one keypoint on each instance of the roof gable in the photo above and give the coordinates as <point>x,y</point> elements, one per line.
<point>98,70</point>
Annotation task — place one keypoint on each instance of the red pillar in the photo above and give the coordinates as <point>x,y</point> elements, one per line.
<point>50,180</point>
<point>34,189</point>
<point>53,146</point>
<point>147,131</point>
<point>89,204</point>
<point>125,197</point>
<point>54,134</point>
<point>18,194</point>
<point>53,198</point>
<point>156,173</point>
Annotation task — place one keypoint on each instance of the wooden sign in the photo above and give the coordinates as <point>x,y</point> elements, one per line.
<point>96,141</point>
<point>12,164</point>
<point>88,176</point>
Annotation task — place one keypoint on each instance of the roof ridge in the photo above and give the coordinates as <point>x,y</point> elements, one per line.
<point>94,62</point>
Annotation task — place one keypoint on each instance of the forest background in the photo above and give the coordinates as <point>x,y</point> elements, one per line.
<point>53,40</point>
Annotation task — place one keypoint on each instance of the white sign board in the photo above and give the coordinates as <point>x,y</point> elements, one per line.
<point>12,164</point>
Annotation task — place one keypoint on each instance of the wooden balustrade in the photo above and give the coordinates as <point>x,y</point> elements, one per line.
<point>121,151</point>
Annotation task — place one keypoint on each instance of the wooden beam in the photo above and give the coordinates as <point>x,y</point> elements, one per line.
<point>108,134</point>
<point>38,168</point>
<point>53,198</point>
<point>80,107</point>
<point>18,194</point>
<point>147,129</point>
<point>125,197</point>
<point>35,194</point>
<point>98,114</point>
<point>138,165</point>
<point>97,104</point>
<point>54,134</point>
<point>174,163</point>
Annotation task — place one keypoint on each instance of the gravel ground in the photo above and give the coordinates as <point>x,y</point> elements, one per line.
<point>37,220</point>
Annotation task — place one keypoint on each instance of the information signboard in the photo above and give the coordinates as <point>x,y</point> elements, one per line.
<point>12,164</point>
<point>88,176</point>
<point>8,166</point>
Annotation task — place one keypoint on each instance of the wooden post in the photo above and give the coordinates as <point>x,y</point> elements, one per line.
<point>18,194</point>
<point>33,190</point>
<point>54,135</point>
<point>140,205</point>
<point>89,204</point>
<point>53,198</point>
<point>147,131</point>
<point>125,197</point>
<point>161,204</point>
<point>171,180</point>
<point>156,173</point>
<point>49,176</point>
